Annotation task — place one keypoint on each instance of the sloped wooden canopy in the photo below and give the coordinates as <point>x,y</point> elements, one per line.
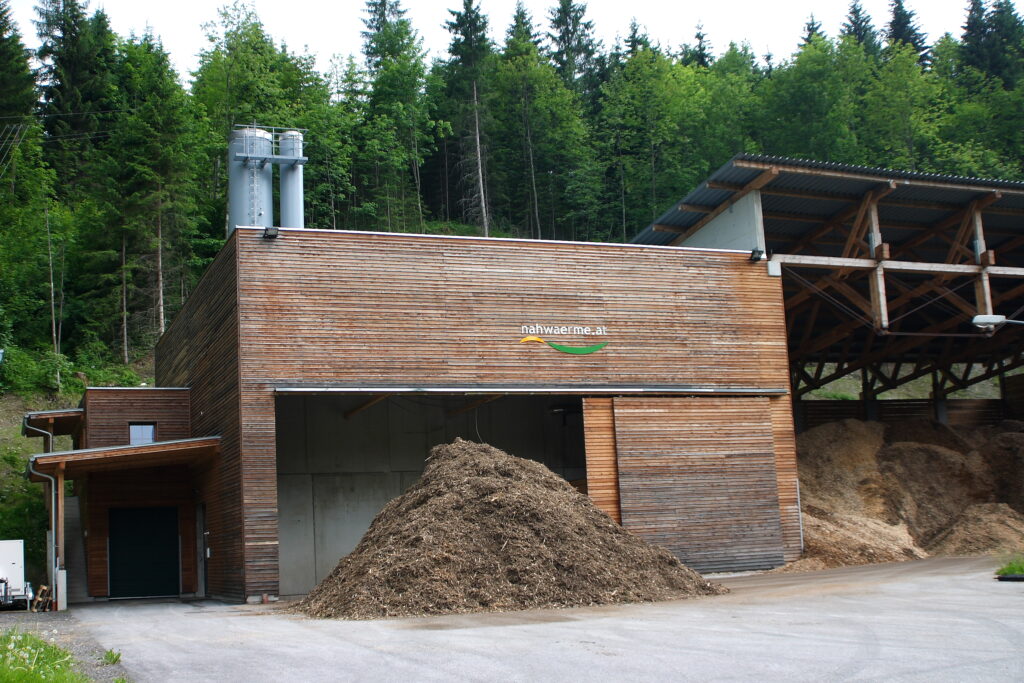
<point>77,463</point>
<point>64,422</point>
<point>882,270</point>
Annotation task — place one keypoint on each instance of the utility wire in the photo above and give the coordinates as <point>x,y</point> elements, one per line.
<point>931,301</point>
<point>69,113</point>
<point>828,297</point>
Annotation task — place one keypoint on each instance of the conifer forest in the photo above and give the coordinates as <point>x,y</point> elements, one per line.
<point>112,165</point>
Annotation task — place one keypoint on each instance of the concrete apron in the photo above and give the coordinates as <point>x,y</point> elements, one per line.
<point>936,619</point>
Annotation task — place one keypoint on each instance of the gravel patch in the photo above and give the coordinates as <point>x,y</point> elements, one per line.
<point>64,630</point>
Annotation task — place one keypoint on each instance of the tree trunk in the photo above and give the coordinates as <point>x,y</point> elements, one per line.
<point>160,264</point>
<point>533,176</point>
<point>53,292</point>
<point>416,177</point>
<point>622,197</point>
<point>124,300</point>
<point>55,338</point>
<point>480,164</point>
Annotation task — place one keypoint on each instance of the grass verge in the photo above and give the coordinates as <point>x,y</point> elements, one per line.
<point>27,658</point>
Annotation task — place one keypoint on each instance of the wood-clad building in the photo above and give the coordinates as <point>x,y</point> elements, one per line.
<point>311,371</point>
<point>324,364</point>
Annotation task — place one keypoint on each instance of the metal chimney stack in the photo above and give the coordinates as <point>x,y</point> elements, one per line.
<point>251,160</point>
<point>250,178</point>
<point>289,144</point>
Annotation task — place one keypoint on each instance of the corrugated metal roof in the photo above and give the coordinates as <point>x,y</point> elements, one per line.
<point>843,183</point>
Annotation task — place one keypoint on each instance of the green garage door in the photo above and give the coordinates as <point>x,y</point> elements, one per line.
<point>144,552</point>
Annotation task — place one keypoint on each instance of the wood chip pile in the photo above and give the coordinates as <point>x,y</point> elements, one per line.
<point>485,531</point>
<point>883,493</point>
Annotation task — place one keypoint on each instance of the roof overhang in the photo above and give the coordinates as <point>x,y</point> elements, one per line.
<point>56,422</point>
<point>159,454</point>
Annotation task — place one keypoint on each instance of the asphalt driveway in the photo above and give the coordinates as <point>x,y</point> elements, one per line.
<point>929,620</point>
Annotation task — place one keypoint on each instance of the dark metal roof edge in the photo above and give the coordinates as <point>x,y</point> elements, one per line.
<point>880,171</point>
<point>56,411</point>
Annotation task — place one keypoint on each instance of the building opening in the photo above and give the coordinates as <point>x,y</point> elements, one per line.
<point>342,457</point>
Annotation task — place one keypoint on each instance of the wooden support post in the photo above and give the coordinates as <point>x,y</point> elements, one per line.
<point>59,541</point>
<point>868,397</point>
<point>983,294</point>
<point>941,412</point>
<point>879,303</point>
<point>48,439</point>
<point>979,238</point>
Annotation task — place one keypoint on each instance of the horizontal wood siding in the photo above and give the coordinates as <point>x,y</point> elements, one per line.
<point>817,413</point>
<point>108,412</point>
<point>786,472</point>
<point>200,351</point>
<point>959,411</point>
<point>158,487</point>
<point>974,412</point>
<point>321,308</point>
<point>602,465</point>
<point>906,409</point>
<point>697,476</point>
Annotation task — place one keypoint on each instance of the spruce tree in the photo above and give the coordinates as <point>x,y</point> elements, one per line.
<point>700,53</point>
<point>974,40</point>
<point>1005,43</point>
<point>79,96</point>
<point>858,26</point>
<point>17,86</point>
<point>573,47</point>
<point>470,50</point>
<point>638,39</point>
<point>903,29</point>
<point>812,31</point>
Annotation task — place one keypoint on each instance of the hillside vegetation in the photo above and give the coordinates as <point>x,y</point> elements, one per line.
<point>112,179</point>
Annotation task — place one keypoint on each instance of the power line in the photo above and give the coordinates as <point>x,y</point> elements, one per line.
<point>70,113</point>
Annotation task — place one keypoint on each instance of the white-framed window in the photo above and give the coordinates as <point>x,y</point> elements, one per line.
<point>141,433</point>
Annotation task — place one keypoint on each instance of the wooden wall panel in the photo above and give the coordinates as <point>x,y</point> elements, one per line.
<point>697,476</point>
<point>602,464</point>
<point>784,438</point>
<point>108,412</point>
<point>329,308</point>
<point>200,351</point>
<point>157,487</point>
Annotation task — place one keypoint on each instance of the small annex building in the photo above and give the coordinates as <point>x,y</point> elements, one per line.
<point>304,381</point>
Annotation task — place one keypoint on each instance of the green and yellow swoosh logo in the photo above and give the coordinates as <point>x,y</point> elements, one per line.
<point>577,350</point>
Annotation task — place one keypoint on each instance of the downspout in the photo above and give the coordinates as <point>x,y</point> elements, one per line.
<point>53,495</point>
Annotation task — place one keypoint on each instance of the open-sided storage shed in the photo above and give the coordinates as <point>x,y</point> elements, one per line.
<point>882,273</point>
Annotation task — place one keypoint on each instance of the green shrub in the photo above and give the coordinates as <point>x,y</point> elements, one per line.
<point>21,373</point>
<point>1014,566</point>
